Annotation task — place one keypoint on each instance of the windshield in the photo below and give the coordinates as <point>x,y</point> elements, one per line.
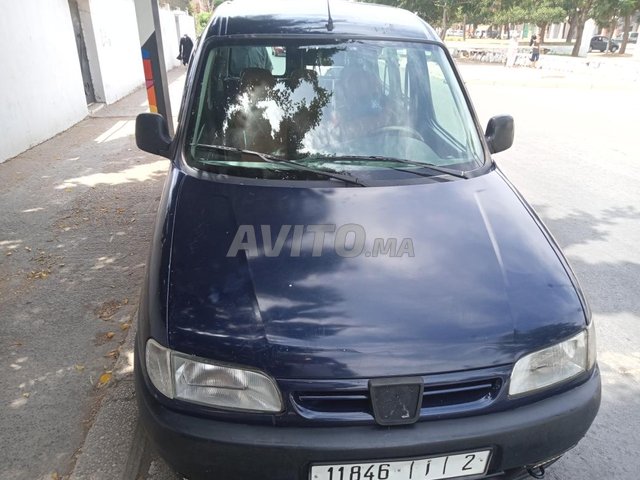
<point>375,109</point>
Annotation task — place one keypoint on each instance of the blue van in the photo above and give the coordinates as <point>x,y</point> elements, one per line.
<point>342,285</point>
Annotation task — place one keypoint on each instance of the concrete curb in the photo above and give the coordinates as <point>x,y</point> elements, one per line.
<point>115,445</point>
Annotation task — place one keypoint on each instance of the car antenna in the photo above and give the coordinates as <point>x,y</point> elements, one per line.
<point>330,20</point>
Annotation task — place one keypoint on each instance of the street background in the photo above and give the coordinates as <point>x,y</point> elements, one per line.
<point>77,214</point>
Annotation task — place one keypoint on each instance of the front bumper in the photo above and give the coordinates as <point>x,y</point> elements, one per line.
<point>205,448</point>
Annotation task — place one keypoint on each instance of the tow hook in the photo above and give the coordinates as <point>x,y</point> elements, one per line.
<point>536,472</point>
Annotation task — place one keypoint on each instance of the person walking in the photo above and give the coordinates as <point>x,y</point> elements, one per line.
<point>534,43</point>
<point>186,45</point>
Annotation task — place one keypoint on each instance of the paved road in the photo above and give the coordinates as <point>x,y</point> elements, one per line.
<point>575,159</point>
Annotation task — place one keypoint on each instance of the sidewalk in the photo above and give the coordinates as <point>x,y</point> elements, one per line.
<point>77,213</point>
<point>115,446</point>
<point>552,74</point>
<point>594,71</point>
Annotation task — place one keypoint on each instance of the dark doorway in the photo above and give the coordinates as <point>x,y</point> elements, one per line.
<point>82,52</point>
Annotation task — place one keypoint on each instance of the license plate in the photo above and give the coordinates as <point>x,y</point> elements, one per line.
<point>434,468</point>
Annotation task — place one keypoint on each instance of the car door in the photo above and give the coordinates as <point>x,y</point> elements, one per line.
<point>602,43</point>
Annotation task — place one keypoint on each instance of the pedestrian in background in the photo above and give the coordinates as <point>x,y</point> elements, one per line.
<point>534,43</point>
<point>512,51</point>
<point>186,45</point>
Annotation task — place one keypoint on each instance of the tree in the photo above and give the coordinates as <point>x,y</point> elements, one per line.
<point>202,19</point>
<point>607,12</point>
<point>583,7</point>
<point>604,11</point>
<point>200,6</point>
<point>545,13</point>
<point>627,9</point>
<point>572,9</point>
<point>481,11</point>
<point>541,13</point>
<point>438,12</point>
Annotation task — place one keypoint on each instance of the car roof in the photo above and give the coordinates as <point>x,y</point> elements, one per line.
<point>281,17</point>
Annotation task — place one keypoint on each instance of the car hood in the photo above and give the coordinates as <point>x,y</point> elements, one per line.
<point>474,280</point>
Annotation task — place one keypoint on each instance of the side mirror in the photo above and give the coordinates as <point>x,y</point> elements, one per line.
<point>499,133</point>
<point>152,134</point>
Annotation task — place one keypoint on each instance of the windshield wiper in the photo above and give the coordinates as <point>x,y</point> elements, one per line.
<point>272,159</point>
<point>374,158</point>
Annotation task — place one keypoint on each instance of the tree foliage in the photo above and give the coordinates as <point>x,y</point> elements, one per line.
<point>202,19</point>
<point>504,12</point>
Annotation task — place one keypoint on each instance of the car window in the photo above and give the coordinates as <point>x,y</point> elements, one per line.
<point>446,113</point>
<point>317,102</point>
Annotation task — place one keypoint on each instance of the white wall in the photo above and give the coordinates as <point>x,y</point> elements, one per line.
<point>41,88</point>
<point>169,39</point>
<point>186,24</point>
<point>174,24</point>
<point>115,62</point>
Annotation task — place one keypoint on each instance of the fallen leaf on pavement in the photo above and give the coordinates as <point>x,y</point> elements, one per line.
<point>42,274</point>
<point>113,354</point>
<point>26,394</point>
<point>108,309</point>
<point>110,335</point>
<point>79,368</point>
<point>104,379</point>
<point>124,326</point>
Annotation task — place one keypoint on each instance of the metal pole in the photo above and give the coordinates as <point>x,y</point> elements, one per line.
<point>155,72</point>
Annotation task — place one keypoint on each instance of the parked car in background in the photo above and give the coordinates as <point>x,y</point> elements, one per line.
<point>633,38</point>
<point>342,284</point>
<point>279,51</point>
<point>600,42</point>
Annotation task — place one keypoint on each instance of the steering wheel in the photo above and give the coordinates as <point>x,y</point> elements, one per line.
<point>407,131</point>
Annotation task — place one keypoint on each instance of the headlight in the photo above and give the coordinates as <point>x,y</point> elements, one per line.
<point>554,364</point>
<point>196,380</point>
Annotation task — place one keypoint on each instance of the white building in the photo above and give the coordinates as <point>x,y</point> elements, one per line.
<point>60,56</point>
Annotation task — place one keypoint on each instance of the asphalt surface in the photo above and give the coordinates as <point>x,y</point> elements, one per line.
<point>76,220</point>
<point>575,159</point>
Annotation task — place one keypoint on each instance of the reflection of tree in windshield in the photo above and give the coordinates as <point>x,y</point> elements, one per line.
<point>274,117</point>
<point>299,117</point>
